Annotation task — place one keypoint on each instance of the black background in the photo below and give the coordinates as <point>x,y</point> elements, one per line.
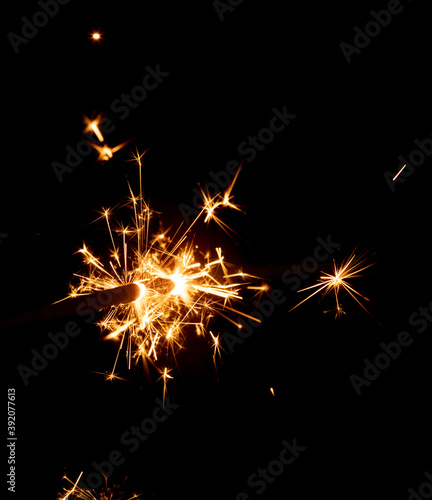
<point>322,175</point>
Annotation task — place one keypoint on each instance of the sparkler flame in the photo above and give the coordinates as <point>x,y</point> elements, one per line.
<point>179,287</point>
<point>336,282</point>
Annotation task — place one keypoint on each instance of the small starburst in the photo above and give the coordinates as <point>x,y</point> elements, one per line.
<point>338,281</point>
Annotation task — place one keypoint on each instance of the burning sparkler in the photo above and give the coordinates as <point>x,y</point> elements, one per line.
<point>338,281</point>
<point>175,288</point>
<point>105,493</point>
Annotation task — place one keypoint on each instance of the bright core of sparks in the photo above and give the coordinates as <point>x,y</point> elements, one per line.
<point>179,284</point>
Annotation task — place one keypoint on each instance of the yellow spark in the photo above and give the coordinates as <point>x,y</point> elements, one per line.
<point>93,126</point>
<point>165,376</point>
<point>260,290</point>
<point>272,391</point>
<point>96,36</point>
<point>212,204</point>
<point>73,487</point>
<point>396,176</point>
<point>105,152</point>
<point>97,132</point>
<point>338,281</point>
<point>216,345</point>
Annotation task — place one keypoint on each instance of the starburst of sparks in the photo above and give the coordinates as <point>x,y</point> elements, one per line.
<point>104,493</point>
<point>337,281</point>
<point>180,287</point>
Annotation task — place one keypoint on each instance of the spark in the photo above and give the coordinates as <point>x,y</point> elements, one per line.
<point>96,37</point>
<point>216,346</point>
<point>103,493</point>
<point>105,152</point>
<point>73,487</point>
<point>260,290</point>
<point>337,281</point>
<point>165,376</point>
<point>93,126</point>
<point>396,176</point>
<point>111,376</point>
<point>272,391</point>
<point>213,204</point>
<point>179,287</point>
<point>97,132</point>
